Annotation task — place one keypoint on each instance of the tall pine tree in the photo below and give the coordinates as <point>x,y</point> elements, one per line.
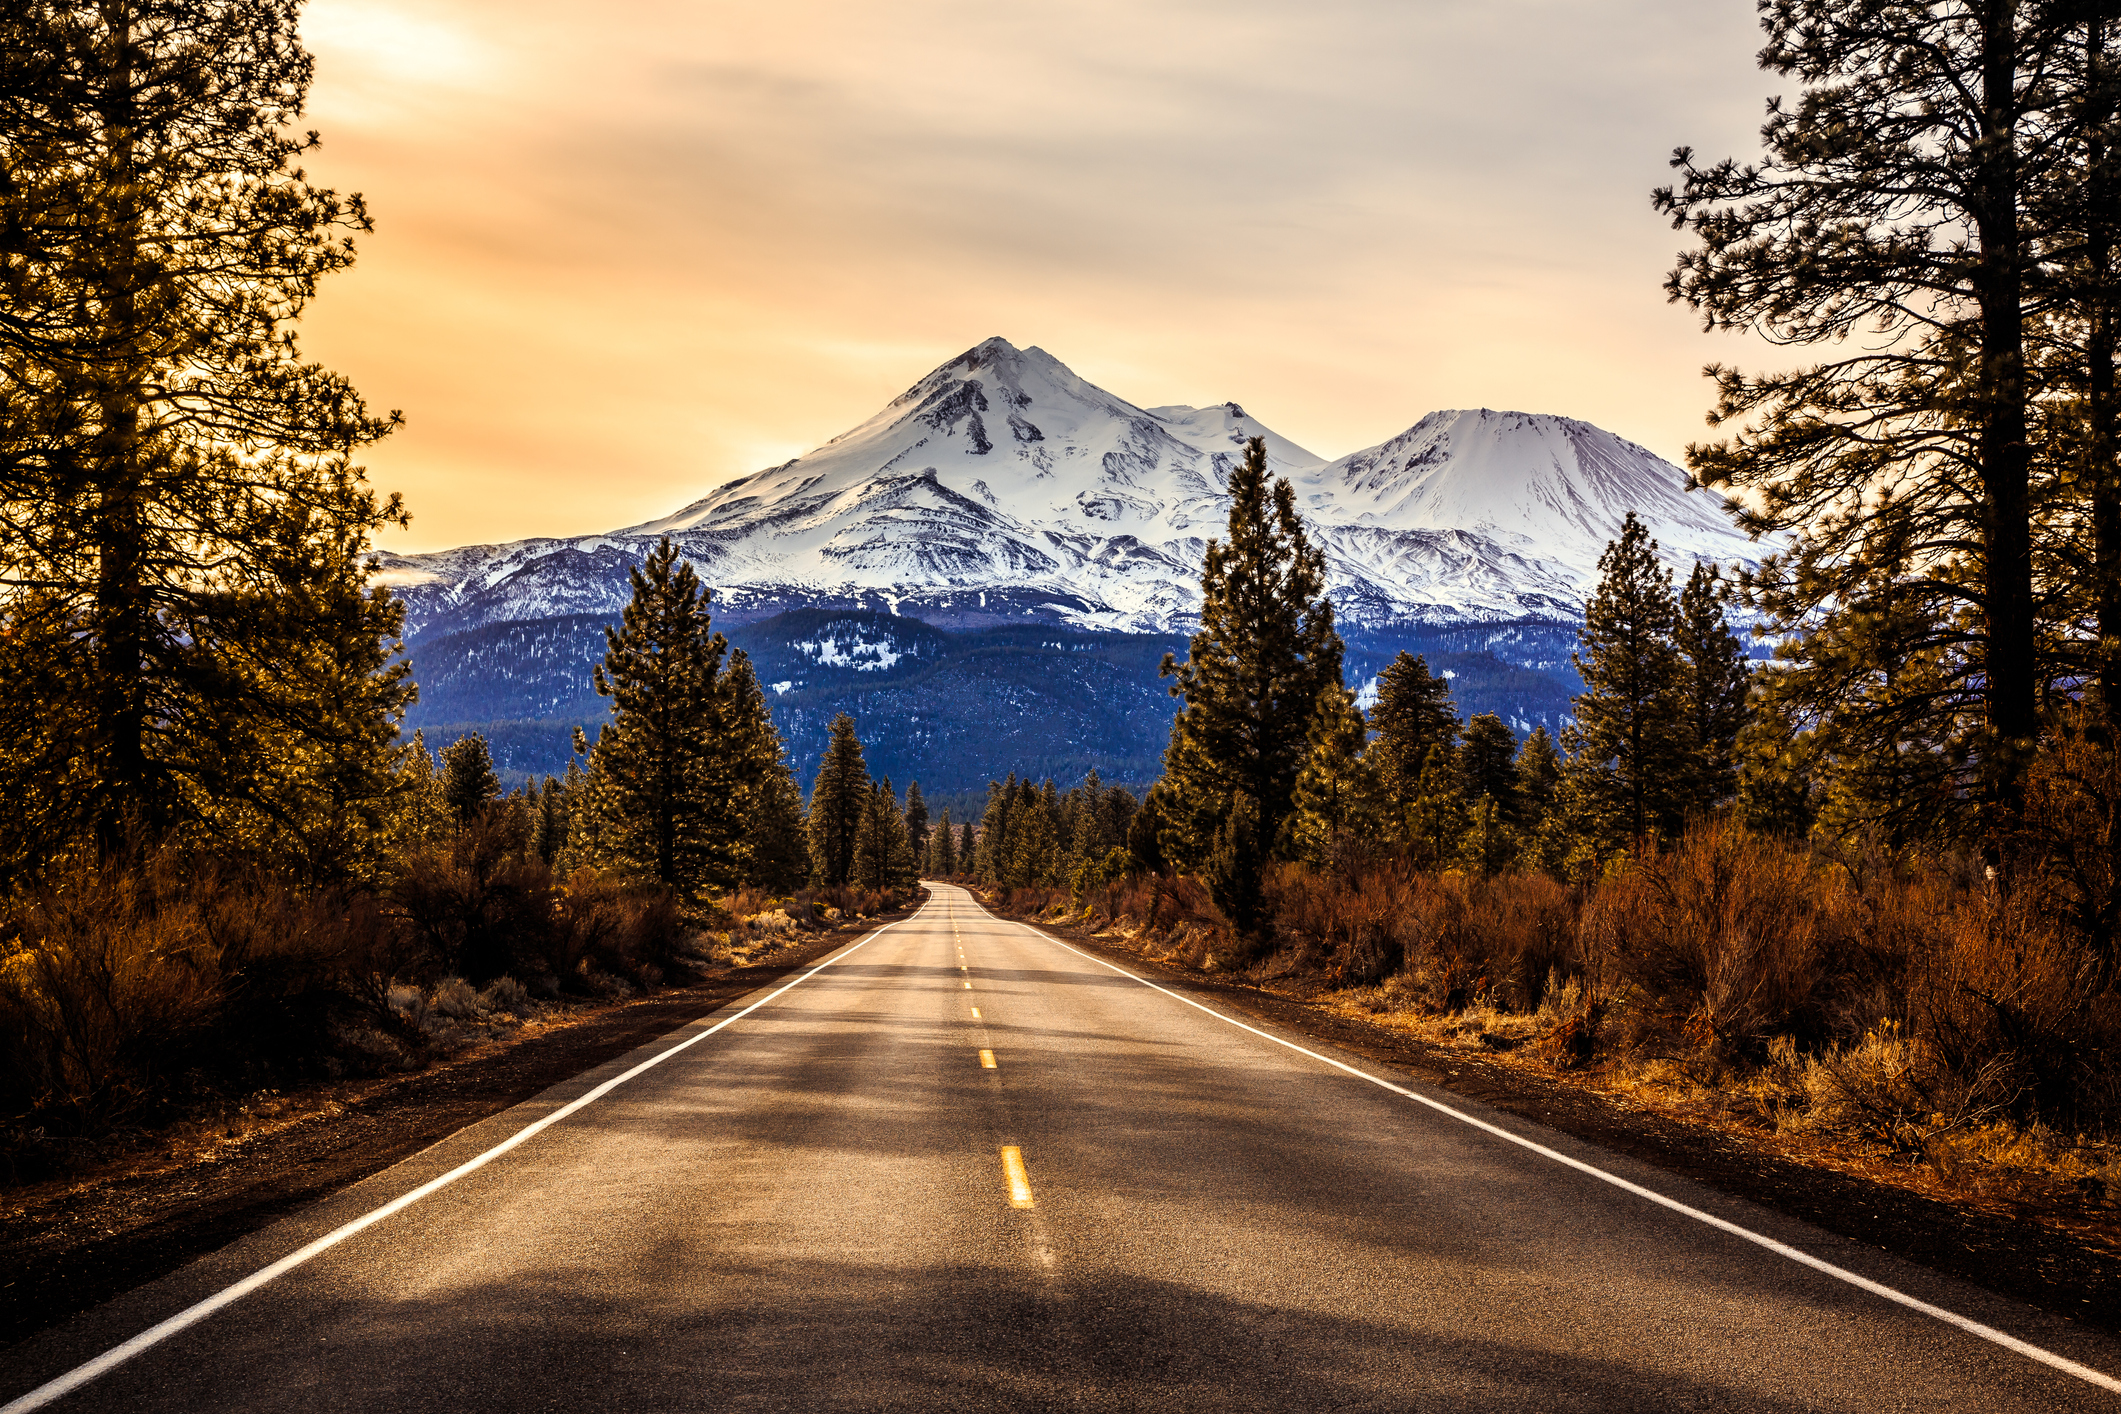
<point>183,533</point>
<point>1716,674</point>
<point>1250,682</point>
<point>673,765</point>
<point>1628,748</point>
<point>838,798</point>
<point>1413,716</point>
<point>1905,221</point>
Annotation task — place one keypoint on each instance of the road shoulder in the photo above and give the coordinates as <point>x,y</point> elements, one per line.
<point>68,1247</point>
<point>2013,1258</point>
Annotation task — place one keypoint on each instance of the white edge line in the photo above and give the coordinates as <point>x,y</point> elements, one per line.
<point>1780,1249</point>
<point>191,1315</point>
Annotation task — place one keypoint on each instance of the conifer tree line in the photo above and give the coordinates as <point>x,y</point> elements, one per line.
<point>1273,761</point>
<point>1036,836</point>
<point>688,787</point>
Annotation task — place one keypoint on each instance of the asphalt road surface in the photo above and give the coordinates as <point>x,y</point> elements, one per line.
<point>964,1166</point>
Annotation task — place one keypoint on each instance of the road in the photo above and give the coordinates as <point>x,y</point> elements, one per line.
<point>836,1202</point>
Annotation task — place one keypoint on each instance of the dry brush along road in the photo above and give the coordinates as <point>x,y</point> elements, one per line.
<point>962,1164</point>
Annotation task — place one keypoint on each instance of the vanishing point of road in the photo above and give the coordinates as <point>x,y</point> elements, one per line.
<point>963,1165</point>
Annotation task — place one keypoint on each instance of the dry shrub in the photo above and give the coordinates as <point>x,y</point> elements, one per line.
<point>481,907</point>
<point>1724,937</point>
<point>603,927</point>
<point>124,981</point>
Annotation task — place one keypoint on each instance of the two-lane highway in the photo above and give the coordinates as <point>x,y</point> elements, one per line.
<point>963,1165</point>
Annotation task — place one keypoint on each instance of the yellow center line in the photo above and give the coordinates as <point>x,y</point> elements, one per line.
<point>968,986</point>
<point>1019,1181</point>
<point>986,1060</point>
<point>975,1013</point>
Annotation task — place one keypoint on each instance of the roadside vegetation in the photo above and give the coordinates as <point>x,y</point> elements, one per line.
<point>224,870</point>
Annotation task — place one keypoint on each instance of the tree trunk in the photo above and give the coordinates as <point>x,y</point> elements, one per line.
<point>121,603</point>
<point>2099,450</point>
<point>2011,685</point>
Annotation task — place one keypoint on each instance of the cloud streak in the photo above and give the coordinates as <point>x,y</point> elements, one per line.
<point>626,253</point>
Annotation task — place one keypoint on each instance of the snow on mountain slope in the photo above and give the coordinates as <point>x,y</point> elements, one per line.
<point>1002,486</point>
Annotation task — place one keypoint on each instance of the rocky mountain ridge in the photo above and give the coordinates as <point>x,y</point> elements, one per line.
<point>1004,488</point>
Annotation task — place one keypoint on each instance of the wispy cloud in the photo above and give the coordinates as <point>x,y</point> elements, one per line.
<point>625,252</point>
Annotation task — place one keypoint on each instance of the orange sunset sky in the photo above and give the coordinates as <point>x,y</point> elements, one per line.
<point>627,251</point>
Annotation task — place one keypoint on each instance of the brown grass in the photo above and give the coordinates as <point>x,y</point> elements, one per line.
<point>1897,1012</point>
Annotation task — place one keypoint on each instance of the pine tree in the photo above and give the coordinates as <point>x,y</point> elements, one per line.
<point>1716,677</point>
<point>838,799</point>
<point>1436,819</point>
<point>942,849</point>
<point>1490,845</point>
<point>552,821</point>
<point>1338,804</point>
<point>992,858</point>
<point>776,854</point>
<point>967,845</point>
<point>1545,827</point>
<point>1538,778</point>
<point>883,858</point>
<point>1250,682</point>
<point>1035,847</point>
<point>916,818</point>
<point>1412,716</point>
<point>182,527</point>
<point>1487,762</point>
<point>1629,744</point>
<point>780,852</point>
<point>674,762</point>
<point>1906,220</point>
<point>468,782</point>
<point>424,816</point>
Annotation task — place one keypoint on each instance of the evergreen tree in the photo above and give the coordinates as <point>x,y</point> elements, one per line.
<point>182,527</point>
<point>1487,762</point>
<point>1251,680</point>
<point>1716,674</point>
<point>674,762</point>
<point>838,799</point>
<point>942,849</point>
<point>780,852</point>
<point>776,854</point>
<point>1412,716</point>
<point>1035,849</point>
<point>967,845</point>
<point>424,815</point>
<point>1538,777</point>
<point>1907,219</point>
<point>552,821</point>
<point>1338,803</point>
<point>1436,819</point>
<point>1490,845</point>
<point>468,782</point>
<point>992,860</point>
<point>883,858</point>
<point>1629,744</point>
<point>1116,811</point>
<point>916,818</point>
<point>1544,827</point>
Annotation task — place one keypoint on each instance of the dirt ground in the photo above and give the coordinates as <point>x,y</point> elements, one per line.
<point>69,1244</point>
<point>2062,1256</point>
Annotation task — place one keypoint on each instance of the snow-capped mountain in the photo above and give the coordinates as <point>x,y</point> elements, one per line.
<point>1004,488</point>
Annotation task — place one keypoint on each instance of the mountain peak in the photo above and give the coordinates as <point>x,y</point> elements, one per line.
<point>1004,484</point>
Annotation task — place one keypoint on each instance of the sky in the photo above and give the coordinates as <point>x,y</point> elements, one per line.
<point>627,251</point>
